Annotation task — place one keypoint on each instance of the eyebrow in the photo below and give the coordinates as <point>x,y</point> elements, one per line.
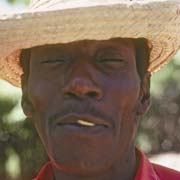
<point>113,49</point>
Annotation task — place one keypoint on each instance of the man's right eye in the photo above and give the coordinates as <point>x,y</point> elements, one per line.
<point>55,61</point>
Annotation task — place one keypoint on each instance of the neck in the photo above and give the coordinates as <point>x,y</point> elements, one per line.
<point>124,169</point>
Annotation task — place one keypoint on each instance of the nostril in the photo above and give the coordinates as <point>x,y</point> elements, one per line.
<point>92,94</point>
<point>70,94</point>
<point>82,90</point>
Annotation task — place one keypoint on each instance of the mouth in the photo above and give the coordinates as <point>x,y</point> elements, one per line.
<point>82,120</point>
<point>82,123</point>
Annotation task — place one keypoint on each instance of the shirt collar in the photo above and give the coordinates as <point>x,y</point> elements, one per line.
<point>46,173</point>
<point>145,170</point>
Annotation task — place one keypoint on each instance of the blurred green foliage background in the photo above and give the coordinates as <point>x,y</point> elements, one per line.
<point>15,2</point>
<point>22,155</point>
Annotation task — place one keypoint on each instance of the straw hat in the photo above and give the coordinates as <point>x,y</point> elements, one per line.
<point>62,21</point>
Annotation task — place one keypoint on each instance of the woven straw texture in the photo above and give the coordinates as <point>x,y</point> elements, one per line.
<point>60,21</point>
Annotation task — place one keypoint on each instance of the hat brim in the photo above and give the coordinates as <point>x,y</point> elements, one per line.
<point>159,22</point>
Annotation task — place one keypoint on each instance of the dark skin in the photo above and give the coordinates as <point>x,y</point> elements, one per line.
<point>94,81</point>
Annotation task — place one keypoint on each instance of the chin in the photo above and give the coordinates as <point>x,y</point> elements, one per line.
<point>80,152</point>
<point>82,157</point>
<point>83,167</point>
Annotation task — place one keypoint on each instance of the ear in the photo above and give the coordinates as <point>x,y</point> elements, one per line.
<point>25,102</point>
<point>144,97</point>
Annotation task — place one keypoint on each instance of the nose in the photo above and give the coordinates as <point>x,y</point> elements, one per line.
<point>81,87</point>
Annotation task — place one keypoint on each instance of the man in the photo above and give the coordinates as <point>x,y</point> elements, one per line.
<point>86,85</point>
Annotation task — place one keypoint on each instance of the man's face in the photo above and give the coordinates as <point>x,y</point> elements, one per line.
<point>85,96</point>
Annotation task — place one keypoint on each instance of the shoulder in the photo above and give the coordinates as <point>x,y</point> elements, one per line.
<point>165,173</point>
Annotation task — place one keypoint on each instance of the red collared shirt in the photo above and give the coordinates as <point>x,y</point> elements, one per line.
<point>146,171</point>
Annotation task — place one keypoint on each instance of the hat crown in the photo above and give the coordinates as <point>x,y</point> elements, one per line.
<point>36,4</point>
<point>66,4</point>
<point>63,4</point>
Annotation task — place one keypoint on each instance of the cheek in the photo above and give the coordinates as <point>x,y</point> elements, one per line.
<point>124,93</point>
<point>44,85</point>
<point>43,95</point>
<point>40,101</point>
<point>123,97</point>
<point>44,92</point>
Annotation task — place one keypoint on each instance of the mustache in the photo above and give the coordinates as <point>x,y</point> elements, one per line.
<point>79,108</point>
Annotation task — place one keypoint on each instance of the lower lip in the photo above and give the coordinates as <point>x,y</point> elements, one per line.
<point>82,130</point>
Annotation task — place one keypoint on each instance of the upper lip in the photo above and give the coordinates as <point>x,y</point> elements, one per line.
<point>73,118</point>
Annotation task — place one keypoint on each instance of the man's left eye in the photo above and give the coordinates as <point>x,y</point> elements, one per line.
<point>110,60</point>
<point>112,63</point>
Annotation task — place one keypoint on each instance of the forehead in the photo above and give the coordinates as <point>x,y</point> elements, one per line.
<point>124,45</point>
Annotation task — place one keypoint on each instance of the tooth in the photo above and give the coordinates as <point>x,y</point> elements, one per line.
<point>85,123</point>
